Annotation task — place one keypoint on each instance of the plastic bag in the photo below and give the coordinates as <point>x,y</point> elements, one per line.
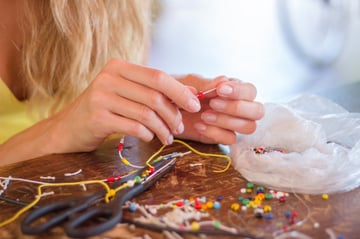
<point>308,145</point>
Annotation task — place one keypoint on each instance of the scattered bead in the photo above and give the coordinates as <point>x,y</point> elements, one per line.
<point>217,224</point>
<point>209,204</point>
<point>132,207</point>
<point>216,205</point>
<point>243,190</point>
<point>219,198</point>
<point>269,216</point>
<point>235,207</point>
<point>316,225</point>
<point>325,196</point>
<point>250,185</point>
<point>195,226</point>
<point>267,208</point>
<point>287,214</point>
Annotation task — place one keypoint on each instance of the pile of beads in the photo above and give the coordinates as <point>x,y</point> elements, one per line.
<point>184,214</point>
<point>264,150</point>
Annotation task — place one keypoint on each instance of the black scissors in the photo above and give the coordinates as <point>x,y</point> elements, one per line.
<point>89,209</point>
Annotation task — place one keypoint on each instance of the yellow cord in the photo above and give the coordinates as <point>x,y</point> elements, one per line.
<point>195,151</point>
<point>110,193</point>
<point>38,197</point>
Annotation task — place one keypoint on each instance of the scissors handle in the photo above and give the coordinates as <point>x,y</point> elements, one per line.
<point>62,210</point>
<point>108,215</point>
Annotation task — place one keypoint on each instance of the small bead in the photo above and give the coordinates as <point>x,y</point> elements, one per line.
<point>250,185</point>
<point>219,198</point>
<point>240,199</point>
<point>179,204</point>
<point>152,170</point>
<point>269,216</point>
<point>249,190</point>
<point>235,207</point>
<point>245,202</point>
<point>216,205</point>
<point>217,224</point>
<point>200,95</point>
<point>209,204</point>
<point>130,183</point>
<point>325,196</point>
<point>195,226</point>
<point>243,190</point>
<point>282,199</point>
<point>267,208</point>
<point>137,179</point>
<point>259,213</point>
<point>268,196</point>
<point>287,214</point>
<point>132,207</point>
<point>316,225</point>
<point>120,147</point>
<point>111,179</point>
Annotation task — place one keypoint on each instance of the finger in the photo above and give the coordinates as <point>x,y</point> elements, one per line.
<point>238,108</point>
<point>155,100</point>
<point>142,114</point>
<point>236,90</point>
<point>240,125</point>
<point>216,134</point>
<point>157,80</point>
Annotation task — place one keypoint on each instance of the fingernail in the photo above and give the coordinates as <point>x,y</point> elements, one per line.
<point>194,105</point>
<point>180,128</point>
<point>225,90</point>
<point>209,117</point>
<point>169,140</point>
<point>200,126</point>
<point>217,104</point>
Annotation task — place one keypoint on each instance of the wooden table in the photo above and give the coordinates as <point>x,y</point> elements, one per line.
<point>191,177</point>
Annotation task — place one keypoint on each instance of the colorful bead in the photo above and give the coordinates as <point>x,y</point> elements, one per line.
<point>282,199</point>
<point>137,179</point>
<point>195,226</point>
<point>268,196</point>
<point>200,95</point>
<point>243,190</point>
<point>219,198</point>
<point>217,224</point>
<point>269,216</point>
<point>267,208</point>
<point>325,196</point>
<point>209,204</point>
<point>250,185</point>
<point>216,205</point>
<point>287,214</point>
<point>235,207</point>
<point>132,207</point>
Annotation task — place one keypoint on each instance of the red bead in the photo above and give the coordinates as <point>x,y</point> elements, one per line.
<point>152,170</point>
<point>282,199</point>
<point>120,147</point>
<point>180,204</point>
<point>200,95</point>
<point>110,180</point>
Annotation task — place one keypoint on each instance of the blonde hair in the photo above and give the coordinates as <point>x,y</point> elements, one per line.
<point>67,42</point>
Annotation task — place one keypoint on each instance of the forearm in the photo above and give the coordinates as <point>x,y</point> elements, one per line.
<point>34,142</point>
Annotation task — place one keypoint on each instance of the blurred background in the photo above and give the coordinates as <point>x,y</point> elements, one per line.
<point>284,47</point>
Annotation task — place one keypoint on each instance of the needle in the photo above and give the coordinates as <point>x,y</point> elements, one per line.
<point>201,94</point>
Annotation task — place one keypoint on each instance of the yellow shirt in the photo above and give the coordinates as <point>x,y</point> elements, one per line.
<point>13,114</point>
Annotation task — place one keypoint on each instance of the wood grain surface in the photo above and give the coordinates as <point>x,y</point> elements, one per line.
<point>340,214</point>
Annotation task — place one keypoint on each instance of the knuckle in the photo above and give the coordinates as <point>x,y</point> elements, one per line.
<point>146,114</point>
<point>158,77</point>
<point>156,99</point>
<point>139,130</point>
